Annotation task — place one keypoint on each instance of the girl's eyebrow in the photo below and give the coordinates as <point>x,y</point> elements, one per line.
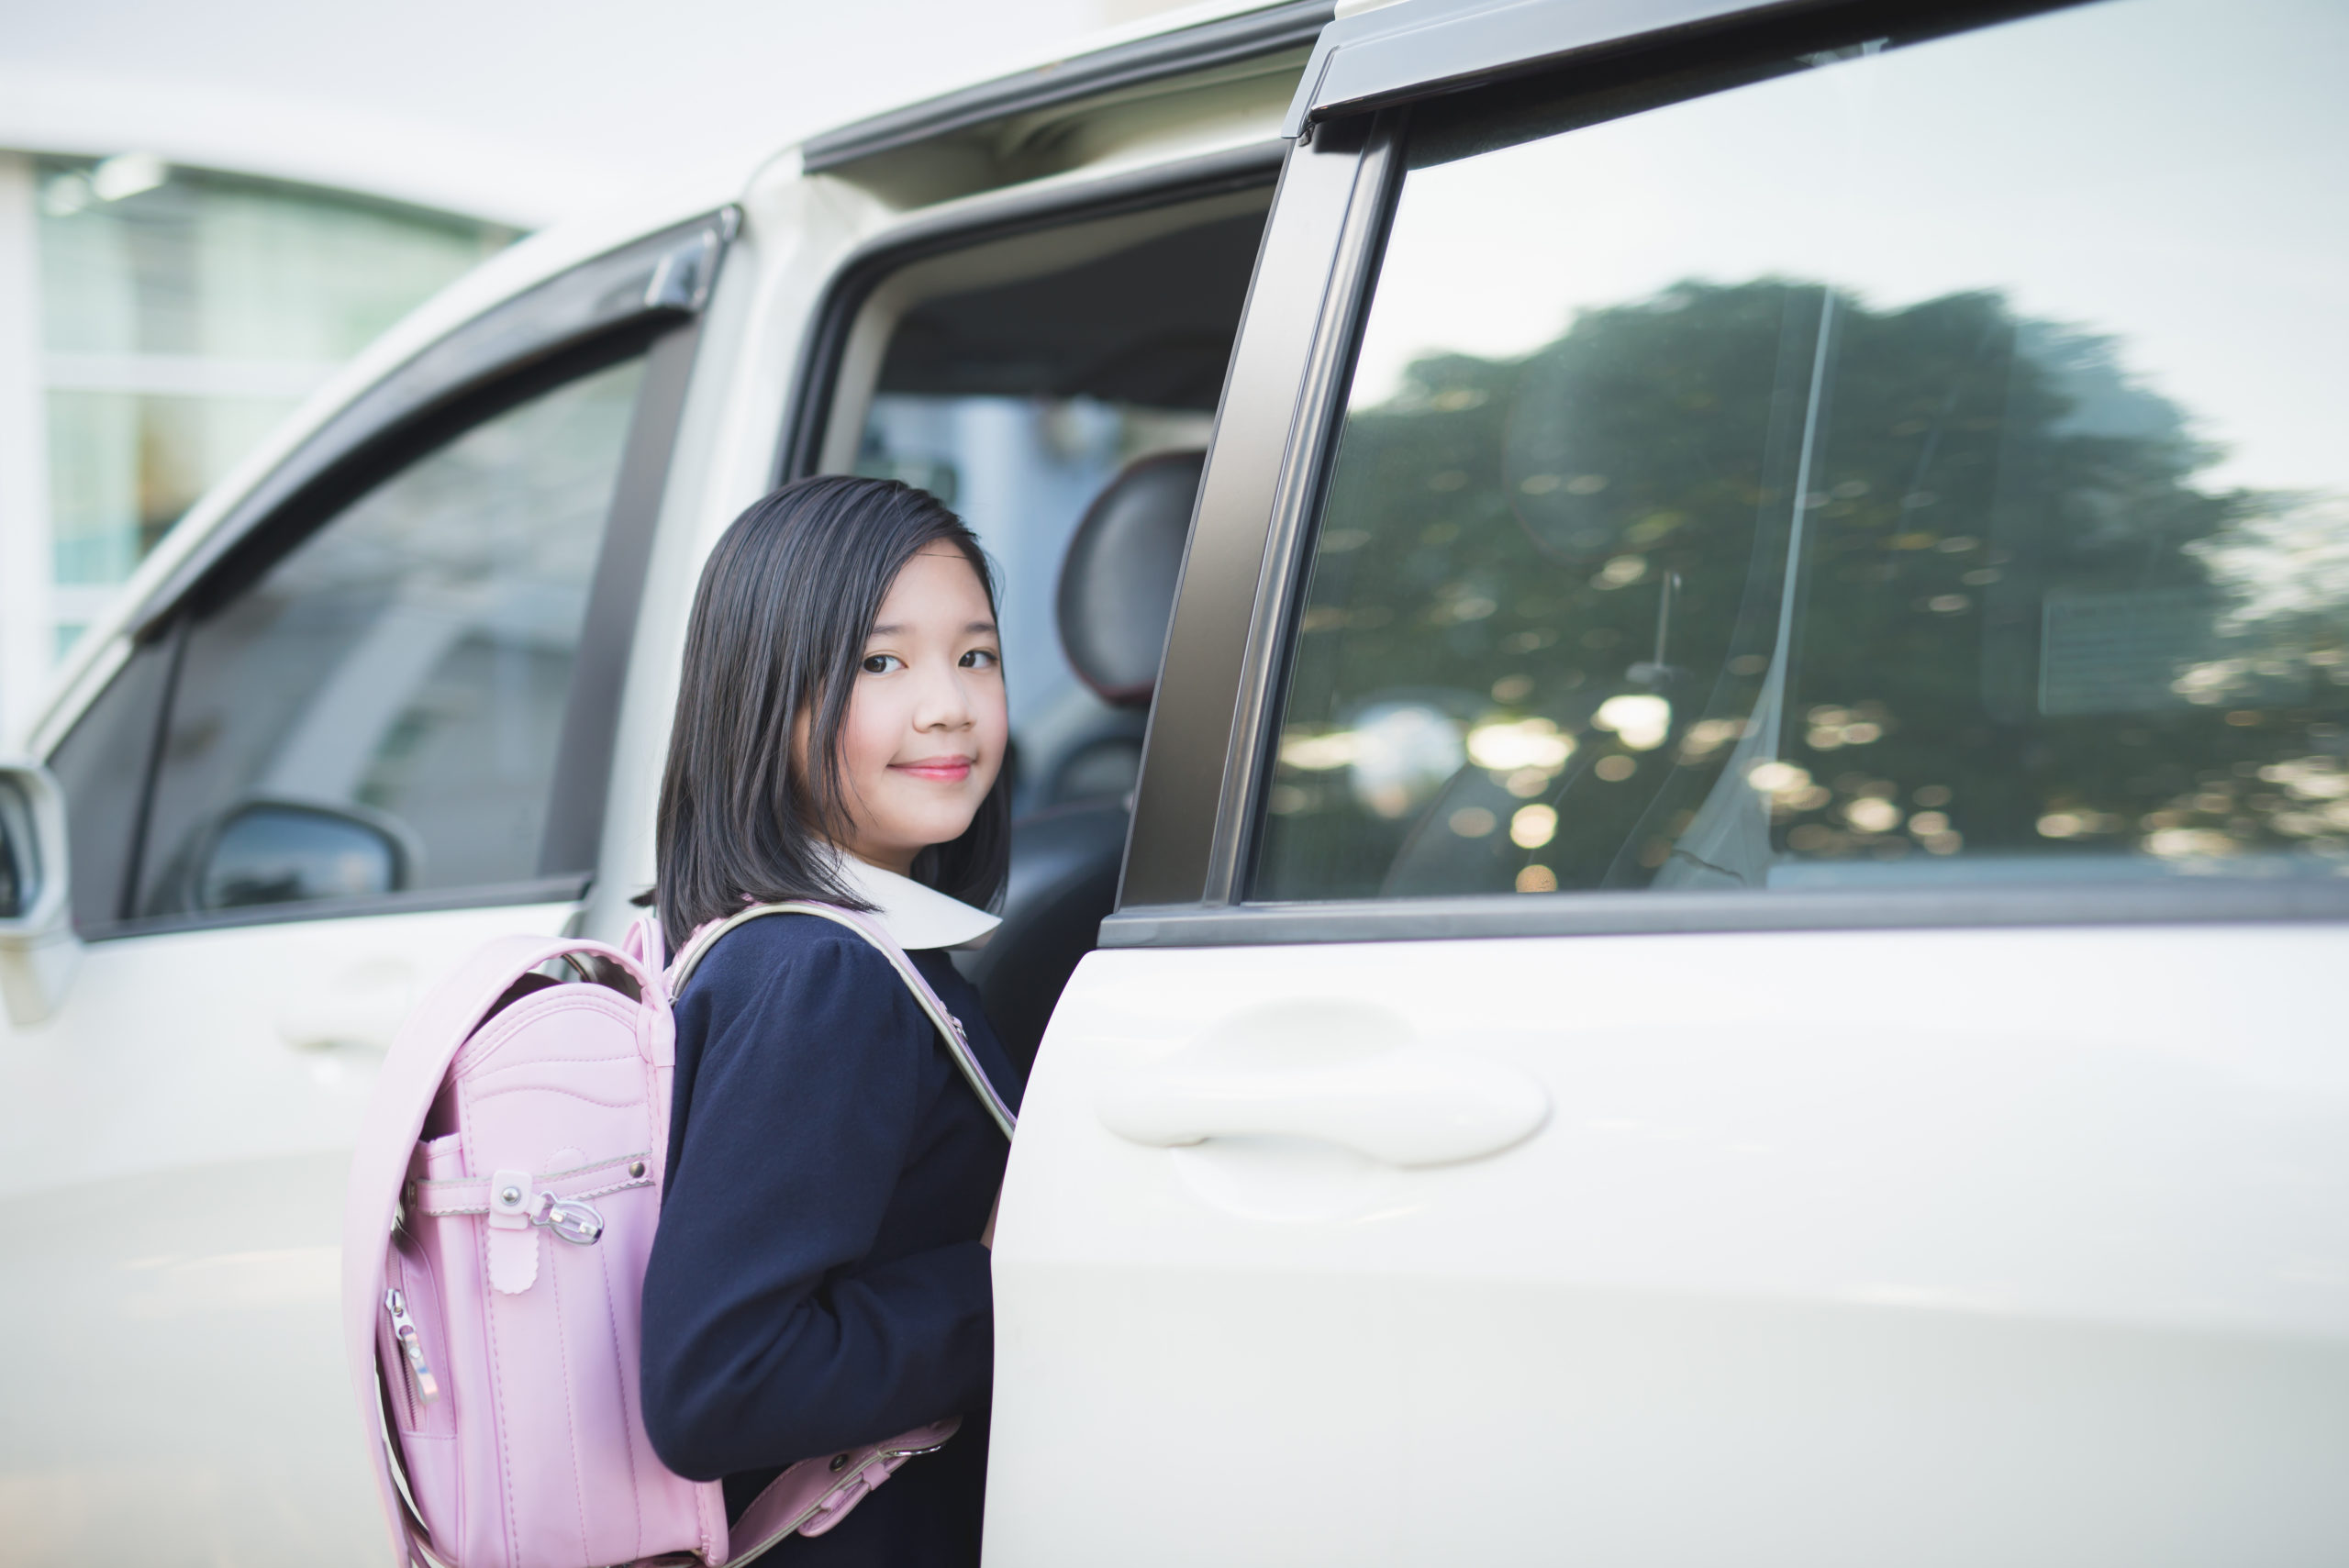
<point>893,629</point>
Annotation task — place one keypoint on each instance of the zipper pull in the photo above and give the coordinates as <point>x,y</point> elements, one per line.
<point>427,1388</point>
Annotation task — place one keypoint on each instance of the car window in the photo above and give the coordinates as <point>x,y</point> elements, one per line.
<point>1854,478</point>
<point>378,711</point>
<point>101,768</point>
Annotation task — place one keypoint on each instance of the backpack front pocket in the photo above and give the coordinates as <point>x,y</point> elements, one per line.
<point>413,1348</point>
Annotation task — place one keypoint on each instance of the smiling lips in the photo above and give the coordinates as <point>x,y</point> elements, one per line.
<point>938,770</point>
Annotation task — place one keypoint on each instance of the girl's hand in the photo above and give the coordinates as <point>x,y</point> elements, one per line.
<point>987,1237</point>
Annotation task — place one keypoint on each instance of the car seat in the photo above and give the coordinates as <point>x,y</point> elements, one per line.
<point>1116,593</point>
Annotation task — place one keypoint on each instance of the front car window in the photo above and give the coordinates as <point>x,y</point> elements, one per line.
<point>101,766</point>
<point>380,711</point>
<point>1856,478</point>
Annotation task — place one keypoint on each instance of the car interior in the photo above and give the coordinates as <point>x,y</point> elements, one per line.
<point>1058,388</point>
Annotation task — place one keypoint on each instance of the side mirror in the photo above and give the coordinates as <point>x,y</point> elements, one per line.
<point>39,950</point>
<point>287,851</point>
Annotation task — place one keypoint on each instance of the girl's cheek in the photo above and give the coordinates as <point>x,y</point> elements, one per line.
<point>871,737</point>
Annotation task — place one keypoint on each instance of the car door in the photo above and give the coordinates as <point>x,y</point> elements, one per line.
<point>365,726</point>
<point>1730,942</point>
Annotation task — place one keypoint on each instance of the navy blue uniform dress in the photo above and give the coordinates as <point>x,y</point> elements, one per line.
<point>817,1281</point>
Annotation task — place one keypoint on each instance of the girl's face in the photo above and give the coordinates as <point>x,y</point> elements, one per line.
<point>927,726</point>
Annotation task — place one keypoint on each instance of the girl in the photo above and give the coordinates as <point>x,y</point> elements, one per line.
<point>820,1278</point>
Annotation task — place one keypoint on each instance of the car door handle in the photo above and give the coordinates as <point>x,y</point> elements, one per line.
<point>363,1004</point>
<point>1405,1104</point>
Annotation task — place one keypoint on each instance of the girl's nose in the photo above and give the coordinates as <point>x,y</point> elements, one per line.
<point>942,704</point>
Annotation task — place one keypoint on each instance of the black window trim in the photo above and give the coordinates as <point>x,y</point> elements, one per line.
<point>1206,758</point>
<point>1484,915</point>
<point>1393,55</point>
<point>568,889</point>
<point>1263,478</point>
<point>158,727</point>
<point>645,298</point>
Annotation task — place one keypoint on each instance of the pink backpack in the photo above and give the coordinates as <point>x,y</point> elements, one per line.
<point>500,1211</point>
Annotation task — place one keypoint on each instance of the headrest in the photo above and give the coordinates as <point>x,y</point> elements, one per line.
<point>1116,589</point>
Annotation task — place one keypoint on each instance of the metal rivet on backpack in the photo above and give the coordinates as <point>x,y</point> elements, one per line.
<point>635,1168</point>
<point>509,1195</point>
<point>840,1460</point>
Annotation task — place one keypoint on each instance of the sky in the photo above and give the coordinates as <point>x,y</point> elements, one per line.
<point>525,110</point>
<point>2054,159</point>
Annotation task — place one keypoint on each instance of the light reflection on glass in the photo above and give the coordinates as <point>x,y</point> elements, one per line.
<point>2052,581</point>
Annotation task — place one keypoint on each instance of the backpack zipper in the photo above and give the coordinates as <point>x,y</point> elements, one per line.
<point>428,1387</point>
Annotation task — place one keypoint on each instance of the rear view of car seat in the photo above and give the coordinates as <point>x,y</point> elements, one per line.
<point>1116,593</point>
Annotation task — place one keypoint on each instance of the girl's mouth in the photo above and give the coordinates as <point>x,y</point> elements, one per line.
<point>938,770</point>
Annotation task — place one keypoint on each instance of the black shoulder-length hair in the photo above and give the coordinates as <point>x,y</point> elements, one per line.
<point>779,624</point>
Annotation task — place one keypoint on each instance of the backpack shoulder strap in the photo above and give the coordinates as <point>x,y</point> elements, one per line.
<point>950,1027</point>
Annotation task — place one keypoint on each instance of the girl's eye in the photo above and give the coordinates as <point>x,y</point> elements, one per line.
<point>980,658</point>
<point>882,663</point>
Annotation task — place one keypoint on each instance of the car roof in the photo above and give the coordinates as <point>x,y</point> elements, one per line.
<point>1197,38</point>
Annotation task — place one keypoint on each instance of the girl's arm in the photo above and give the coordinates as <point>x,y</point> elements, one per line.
<point>766,1339</point>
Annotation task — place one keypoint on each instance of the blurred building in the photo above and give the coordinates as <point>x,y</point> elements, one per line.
<point>158,321</point>
<point>182,313</point>
<point>205,210</point>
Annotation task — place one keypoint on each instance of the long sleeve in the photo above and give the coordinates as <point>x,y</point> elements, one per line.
<point>816,1281</point>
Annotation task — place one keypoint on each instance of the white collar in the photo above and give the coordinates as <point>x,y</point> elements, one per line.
<point>916,916</point>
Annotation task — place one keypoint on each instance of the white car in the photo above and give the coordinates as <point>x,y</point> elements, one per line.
<point>1720,940</point>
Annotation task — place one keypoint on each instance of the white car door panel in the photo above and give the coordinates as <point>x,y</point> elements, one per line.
<point>175,1187</point>
<point>1726,951</point>
<point>1787,1259</point>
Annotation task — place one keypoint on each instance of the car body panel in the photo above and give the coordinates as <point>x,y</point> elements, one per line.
<point>2053,1268</point>
<point>1931,1245</point>
<point>171,1213</point>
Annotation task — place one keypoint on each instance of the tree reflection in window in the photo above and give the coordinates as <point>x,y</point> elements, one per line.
<point>1550,641</point>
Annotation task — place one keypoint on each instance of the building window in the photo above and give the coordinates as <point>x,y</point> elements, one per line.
<point>185,313</point>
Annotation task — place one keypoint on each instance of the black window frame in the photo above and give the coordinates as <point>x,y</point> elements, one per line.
<point>1207,759</point>
<point>642,300</point>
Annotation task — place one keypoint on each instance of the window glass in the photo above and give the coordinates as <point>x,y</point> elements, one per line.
<point>1856,478</point>
<point>399,679</point>
<point>101,768</point>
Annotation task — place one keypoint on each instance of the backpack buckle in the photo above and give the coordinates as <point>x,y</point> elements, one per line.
<point>575,1222</point>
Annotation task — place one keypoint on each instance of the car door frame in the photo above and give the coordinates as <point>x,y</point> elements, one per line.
<point>1208,757</point>
<point>816,380</point>
<point>643,298</point>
